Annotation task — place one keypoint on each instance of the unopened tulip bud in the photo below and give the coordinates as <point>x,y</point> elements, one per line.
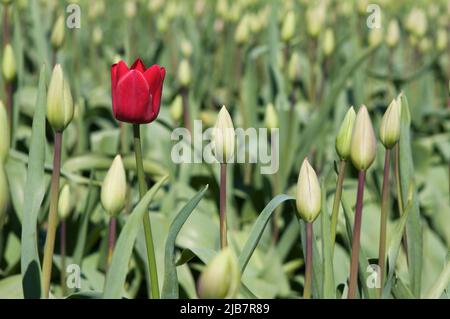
<point>64,202</point>
<point>208,118</point>
<point>155,5</point>
<point>97,35</point>
<point>130,9</point>
<point>223,137</point>
<point>362,6</point>
<point>425,45</point>
<point>114,188</point>
<point>390,124</point>
<point>221,278</point>
<point>4,197</point>
<point>59,101</point>
<point>315,18</point>
<point>308,193</point>
<point>8,64</point>
<point>441,39</point>
<point>375,37</point>
<point>393,34</point>
<point>176,109</point>
<point>162,24</point>
<point>184,73</point>
<point>288,28</point>
<point>344,136</point>
<point>271,117</point>
<point>294,67</point>
<point>363,147</point>
<point>186,48</point>
<point>4,133</point>
<point>242,31</point>
<point>57,37</point>
<point>328,42</point>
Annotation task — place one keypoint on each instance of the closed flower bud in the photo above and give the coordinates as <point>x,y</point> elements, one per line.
<point>308,193</point>
<point>294,67</point>
<point>375,37</point>
<point>4,197</point>
<point>176,109</point>
<point>223,137</point>
<point>441,39</point>
<point>315,18</point>
<point>59,101</point>
<point>344,136</point>
<point>186,48</point>
<point>288,28</point>
<point>425,45</point>
<point>390,124</point>
<point>328,42</point>
<point>8,64</point>
<point>97,35</point>
<point>155,5</point>
<point>393,34</point>
<point>221,278</point>
<point>130,9</point>
<point>184,73</point>
<point>242,31</point>
<point>64,202</point>
<point>271,117</point>
<point>4,133</point>
<point>57,37</point>
<point>114,188</point>
<point>363,147</point>
<point>416,22</point>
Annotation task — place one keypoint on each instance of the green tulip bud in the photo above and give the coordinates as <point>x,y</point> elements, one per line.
<point>223,137</point>
<point>59,101</point>
<point>130,9</point>
<point>155,5</point>
<point>57,37</point>
<point>416,22</point>
<point>308,193</point>
<point>344,136</point>
<point>441,39</point>
<point>114,188</point>
<point>271,117</point>
<point>393,34</point>
<point>162,24</point>
<point>97,35</point>
<point>4,133</point>
<point>363,149</point>
<point>176,109</point>
<point>184,73</point>
<point>288,28</point>
<point>221,278</point>
<point>390,124</point>
<point>4,197</point>
<point>375,37</point>
<point>315,18</point>
<point>425,45</point>
<point>8,64</point>
<point>186,48</point>
<point>208,118</point>
<point>242,31</point>
<point>64,202</point>
<point>294,67</point>
<point>328,42</point>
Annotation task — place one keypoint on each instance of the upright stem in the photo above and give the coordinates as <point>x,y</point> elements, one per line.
<point>399,193</point>
<point>186,115</point>
<point>223,205</point>
<point>111,238</point>
<point>309,261</point>
<point>9,106</point>
<point>52,216</point>
<point>383,220</point>
<point>147,226</point>
<point>356,236</point>
<point>5,25</point>
<point>63,255</point>
<point>337,202</point>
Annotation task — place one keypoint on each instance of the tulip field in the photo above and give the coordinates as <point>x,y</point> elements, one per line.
<point>225,149</point>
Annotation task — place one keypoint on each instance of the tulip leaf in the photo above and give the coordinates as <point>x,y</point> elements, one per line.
<point>170,286</point>
<point>117,272</point>
<point>34,194</point>
<point>258,229</point>
<point>441,283</point>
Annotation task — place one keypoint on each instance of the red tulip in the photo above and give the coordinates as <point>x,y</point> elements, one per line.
<point>136,91</point>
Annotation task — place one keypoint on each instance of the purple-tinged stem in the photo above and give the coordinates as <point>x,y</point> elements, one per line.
<point>62,247</point>
<point>223,205</point>
<point>111,238</point>
<point>309,261</point>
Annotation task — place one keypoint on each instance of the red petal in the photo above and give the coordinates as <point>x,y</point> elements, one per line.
<point>133,100</point>
<point>117,71</point>
<point>158,93</point>
<point>138,65</point>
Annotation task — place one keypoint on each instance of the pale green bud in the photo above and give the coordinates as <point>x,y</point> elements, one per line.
<point>4,197</point>
<point>242,31</point>
<point>4,133</point>
<point>375,36</point>
<point>97,35</point>
<point>308,193</point>
<point>271,117</point>
<point>393,34</point>
<point>390,124</point>
<point>59,101</point>
<point>208,118</point>
<point>294,67</point>
<point>162,24</point>
<point>221,278</point>
<point>64,202</point>
<point>176,109</point>
<point>223,138</point>
<point>362,6</point>
<point>344,136</point>
<point>417,22</point>
<point>114,188</point>
<point>130,9</point>
<point>328,42</point>
<point>8,64</point>
<point>441,39</point>
<point>425,45</point>
<point>315,18</point>
<point>288,28</point>
<point>155,5</point>
<point>186,48</point>
<point>363,149</point>
<point>57,37</point>
<point>184,73</point>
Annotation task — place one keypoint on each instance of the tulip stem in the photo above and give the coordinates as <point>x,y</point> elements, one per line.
<point>223,205</point>
<point>63,255</point>
<point>337,202</point>
<point>399,193</point>
<point>356,236</point>
<point>383,220</point>
<point>309,261</point>
<point>52,216</point>
<point>147,225</point>
<point>9,107</point>
<point>5,25</point>
<point>111,238</point>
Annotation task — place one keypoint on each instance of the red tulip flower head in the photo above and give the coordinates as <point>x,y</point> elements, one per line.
<point>136,91</point>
